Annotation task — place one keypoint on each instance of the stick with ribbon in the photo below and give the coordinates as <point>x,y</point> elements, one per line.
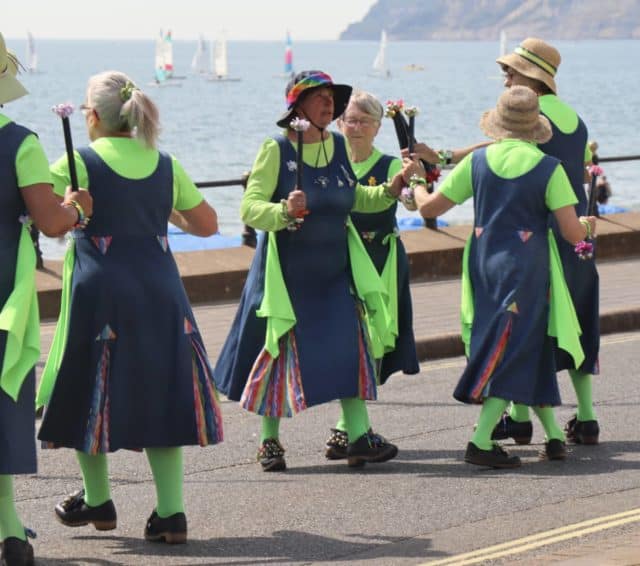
<point>64,111</point>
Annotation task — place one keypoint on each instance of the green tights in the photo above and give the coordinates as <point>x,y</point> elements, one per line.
<point>354,419</point>
<point>10,524</point>
<point>167,469</point>
<point>493,407</point>
<point>583,386</point>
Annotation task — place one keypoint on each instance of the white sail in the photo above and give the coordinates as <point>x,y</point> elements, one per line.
<point>380,63</point>
<point>199,61</point>
<point>31,62</point>
<point>503,43</point>
<point>220,66</point>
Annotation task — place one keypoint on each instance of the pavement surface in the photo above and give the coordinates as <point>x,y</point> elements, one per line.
<point>424,507</point>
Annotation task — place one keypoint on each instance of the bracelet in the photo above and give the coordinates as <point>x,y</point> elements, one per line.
<point>387,190</point>
<point>82,218</point>
<point>417,180</point>
<point>587,227</point>
<point>292,224</point>
<point>445,156</point>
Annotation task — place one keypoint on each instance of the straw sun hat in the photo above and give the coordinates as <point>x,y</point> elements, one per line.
<point>517,115</point>
<point>535,59</point>
<point>10,87</point>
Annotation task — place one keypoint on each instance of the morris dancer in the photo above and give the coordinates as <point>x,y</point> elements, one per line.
<point>127,368</point>
<point>514,294</point>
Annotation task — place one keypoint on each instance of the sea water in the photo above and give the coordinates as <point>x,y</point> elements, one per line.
<point>215,128</point>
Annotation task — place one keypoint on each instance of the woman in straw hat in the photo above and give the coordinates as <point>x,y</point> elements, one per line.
<point>25,184</point>
<point>313,299</point>
<point>379,232</point>
<point>127,368</point>
<point>534,63</point>
<point>514,294</point>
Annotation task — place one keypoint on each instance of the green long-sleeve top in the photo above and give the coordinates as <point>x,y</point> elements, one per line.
<point>258,211</point>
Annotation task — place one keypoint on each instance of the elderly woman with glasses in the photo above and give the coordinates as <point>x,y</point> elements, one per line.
<point>128,368</point>
<point>360,125</point>
<point>312,317</point>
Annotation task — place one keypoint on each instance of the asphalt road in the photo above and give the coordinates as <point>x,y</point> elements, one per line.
<point>426,505</point>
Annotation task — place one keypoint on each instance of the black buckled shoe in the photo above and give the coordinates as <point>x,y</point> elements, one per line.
<point>497,457</point>
<point>582,432</point>
<point>171,529</point>
<point>555,449</point>
<point>508,428</point>
<point>74,512</point>
<point>370,447</point>
<point>336,445</point>
<point>271,455</point>
<point>16,552</point>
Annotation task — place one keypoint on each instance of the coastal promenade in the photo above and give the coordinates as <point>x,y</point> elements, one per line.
<point>424,507</point>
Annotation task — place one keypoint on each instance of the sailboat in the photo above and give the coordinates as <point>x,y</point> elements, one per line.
<point>199,61</point>
<point>219,63</point>
<point>380,68</point>
<point>503,43</point>
<point>31,59</point>
<point>288,59</point>
<point>163,61</point>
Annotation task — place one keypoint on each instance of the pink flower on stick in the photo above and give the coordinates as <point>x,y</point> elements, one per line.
<point>65,110</point>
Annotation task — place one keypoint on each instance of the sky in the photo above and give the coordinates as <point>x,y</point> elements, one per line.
<point>140,19</point>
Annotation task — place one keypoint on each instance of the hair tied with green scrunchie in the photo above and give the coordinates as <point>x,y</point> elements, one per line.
<point>127,90</point>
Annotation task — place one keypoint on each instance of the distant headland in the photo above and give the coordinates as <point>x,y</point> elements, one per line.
<point>413,20</point>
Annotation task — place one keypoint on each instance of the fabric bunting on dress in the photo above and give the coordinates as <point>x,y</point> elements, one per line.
<point>274,387</point>
<point>96,440</point>
<point>207,408</point>
<point>102,243</point>
<point>525,235</point>
<point>164,242</point>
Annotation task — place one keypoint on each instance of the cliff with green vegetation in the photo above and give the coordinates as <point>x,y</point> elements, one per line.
<point>484,19</point>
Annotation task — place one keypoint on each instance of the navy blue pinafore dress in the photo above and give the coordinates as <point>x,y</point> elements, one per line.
<point>17,418</point>
<point>375,230</point>
<point>581,274</point>
<point>511,356</point>
<point>134,373</point>
<point>326,355</point>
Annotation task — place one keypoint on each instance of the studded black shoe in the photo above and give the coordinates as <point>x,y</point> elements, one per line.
<point>370,447</point>
<point>172,529</point>
<point>336,445</point>
<point>74,512</point>
<point>271,455</point>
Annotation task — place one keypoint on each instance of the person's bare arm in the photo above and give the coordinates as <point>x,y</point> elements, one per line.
<point>45,208</point>
<point>572,228</point>
<point>201,220</point>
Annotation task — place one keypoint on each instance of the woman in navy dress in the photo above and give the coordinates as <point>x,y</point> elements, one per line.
<point>379,232</point>
<point>128,368</point>
<point>313,305</point>
<point>25,196</point>
<point>517,295</point>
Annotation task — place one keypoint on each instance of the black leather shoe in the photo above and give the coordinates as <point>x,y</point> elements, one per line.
<point>171,529</point>
<point>555,450</point>
<point>370,447</point>
<point>16,552</point>
<point>508,428</point>
<point>582,432</point>
<point>271,455</point>
<point>336,445</point>
<point>74,512</point>
<point>497,457</point>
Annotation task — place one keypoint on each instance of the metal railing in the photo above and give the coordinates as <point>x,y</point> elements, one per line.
<point>249,237</point>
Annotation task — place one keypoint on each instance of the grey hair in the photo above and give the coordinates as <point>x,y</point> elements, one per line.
<point>367,103</point>
<point>123,107</point>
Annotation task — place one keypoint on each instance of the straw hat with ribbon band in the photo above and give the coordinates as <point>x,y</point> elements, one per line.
<point>10,87</point>
<point>535,59</point>
<point>302,83</point>
<point>517,115</point>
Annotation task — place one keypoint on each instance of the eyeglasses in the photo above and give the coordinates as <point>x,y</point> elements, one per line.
<point>85,109</point>
<point>362,122</point>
